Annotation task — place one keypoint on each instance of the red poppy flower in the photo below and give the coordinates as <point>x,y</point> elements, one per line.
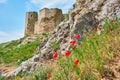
<point>89,35</point>
<point>49,76</point>
<point>83,72</point>
<point>77,36</point>
<point>55,55</point>
<point>67,53</point>
<point>73,42</point>
<point>76,61</point>
<point>95,31</point>
<point>112,21</point>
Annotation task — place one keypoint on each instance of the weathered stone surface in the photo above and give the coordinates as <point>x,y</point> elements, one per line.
<point>82,18</point>
<point>45,22</point>
<point>48,20</point>
<point>102,8</point>
<point>66,33</point>
<point>47,50</point>
<point>31,18</point>
<point>84,24</point>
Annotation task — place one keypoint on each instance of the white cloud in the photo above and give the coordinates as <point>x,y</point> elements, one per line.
<point>28,6</point>
<point>2,33</point>
<point>3,1</point>
<point>64,5</point>
<point>5,37</point>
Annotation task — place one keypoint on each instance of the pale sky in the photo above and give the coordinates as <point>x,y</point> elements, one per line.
<point>12,15</point>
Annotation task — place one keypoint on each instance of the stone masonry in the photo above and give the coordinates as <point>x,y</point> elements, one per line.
<point>31,18</point>
<point>45,22</point>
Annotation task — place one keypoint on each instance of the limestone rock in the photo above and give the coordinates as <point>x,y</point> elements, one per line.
<point>82,18</point>
<point>102,8</point>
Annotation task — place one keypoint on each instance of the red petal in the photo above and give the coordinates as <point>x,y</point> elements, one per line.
<point>55,56</point>
<point>67,53</point>
<point>95,30</point>
<point>76,61</point>
<point>49,76</point>
<point>77,36</point>
<point>73,42</point>
<point>89,35</point>
<point>112,21</point>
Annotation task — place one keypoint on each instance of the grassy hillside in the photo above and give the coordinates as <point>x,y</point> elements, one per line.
<point>11,54</point>
<point>85,61</point>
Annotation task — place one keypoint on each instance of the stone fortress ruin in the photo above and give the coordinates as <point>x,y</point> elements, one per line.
<point>44,22</point>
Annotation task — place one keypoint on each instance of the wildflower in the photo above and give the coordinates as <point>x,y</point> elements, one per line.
<point>112,21</point>
<point>89,35</point>
<point>83,72</point>
<point>55,55</point>
<point>76,61</point>
<point>73,42</point>
<point>67,53</point>
<point>77,36</point>
<point>49,76</point>
<point>95,31</point>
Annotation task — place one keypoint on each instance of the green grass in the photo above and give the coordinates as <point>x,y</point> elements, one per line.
<point>10,53</point>
<point>55,46</point>
<point>66,17</point>
<point>92,53</point>
<point>40,73</point>
<point>2,78</point>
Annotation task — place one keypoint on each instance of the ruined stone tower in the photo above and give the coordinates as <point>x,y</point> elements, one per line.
<point>48,19</point>
<point>45,22</point>
<point>31,18</point>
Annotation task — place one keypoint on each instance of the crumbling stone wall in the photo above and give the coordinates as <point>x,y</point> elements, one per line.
<point>48,19</point>
<point>45,22</point>
<point>31,18</point>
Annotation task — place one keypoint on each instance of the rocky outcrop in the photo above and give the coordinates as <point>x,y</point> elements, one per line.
<point>84,17</point>
<point>45,22</point>
<point>64,34</point>
<point>102,8</point>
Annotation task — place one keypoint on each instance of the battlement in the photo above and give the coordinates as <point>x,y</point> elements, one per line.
<point>45,12</point>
